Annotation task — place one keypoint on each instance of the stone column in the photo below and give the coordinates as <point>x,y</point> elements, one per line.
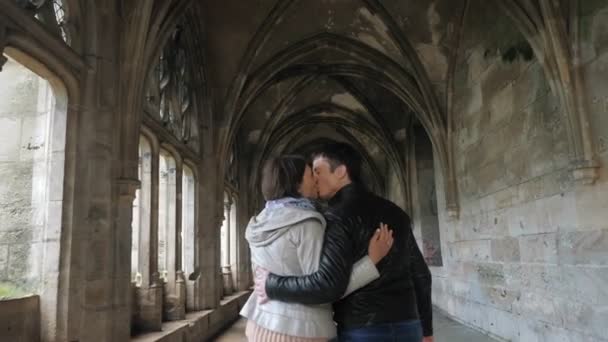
<point>149,296</point>
<point>175,288</point>
<point>226,268</point>
<point>126,191</point>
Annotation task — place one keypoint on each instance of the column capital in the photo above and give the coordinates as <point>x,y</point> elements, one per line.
<point>127,188</point>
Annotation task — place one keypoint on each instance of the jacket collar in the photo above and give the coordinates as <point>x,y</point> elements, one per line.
<point>348,191</point>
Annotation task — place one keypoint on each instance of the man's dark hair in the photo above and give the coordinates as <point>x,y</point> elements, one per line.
<point>342,154</point>
<point>282,176</point>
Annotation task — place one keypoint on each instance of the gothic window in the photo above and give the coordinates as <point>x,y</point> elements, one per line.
<point>169,90</point>
<point>169,247</point>
<point>60,18</point>
<point>51,13</point>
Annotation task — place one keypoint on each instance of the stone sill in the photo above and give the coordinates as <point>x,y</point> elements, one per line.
<point>199,325</point>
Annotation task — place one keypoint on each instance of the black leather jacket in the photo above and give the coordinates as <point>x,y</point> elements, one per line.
<point>403,291</point>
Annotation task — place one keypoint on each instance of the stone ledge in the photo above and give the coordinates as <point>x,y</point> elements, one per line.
<point>199,325</point>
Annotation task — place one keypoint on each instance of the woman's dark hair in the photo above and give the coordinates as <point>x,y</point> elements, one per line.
<point>282,176</point>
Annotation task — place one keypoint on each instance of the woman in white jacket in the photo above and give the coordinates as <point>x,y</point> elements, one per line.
<point>286,238</point>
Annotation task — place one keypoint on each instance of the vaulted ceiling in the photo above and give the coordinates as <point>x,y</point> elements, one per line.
<point>292,73</point>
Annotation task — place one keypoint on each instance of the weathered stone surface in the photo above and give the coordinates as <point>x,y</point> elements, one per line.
<point>587,248</point>
<point>3,261</point>
<point>505,250</point>
<point>471,250</point>
<point>20,319</point>
<point>539,248</point>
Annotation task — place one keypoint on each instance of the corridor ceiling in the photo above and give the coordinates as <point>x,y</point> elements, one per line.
<point>294,72</point>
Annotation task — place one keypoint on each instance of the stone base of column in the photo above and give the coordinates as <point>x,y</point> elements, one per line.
<point>174,307</point>
<point>147,307</point>
<point>228,281</point>
<point>193,294</point>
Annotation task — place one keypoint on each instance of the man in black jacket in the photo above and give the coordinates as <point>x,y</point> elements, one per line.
<point>395,307</point>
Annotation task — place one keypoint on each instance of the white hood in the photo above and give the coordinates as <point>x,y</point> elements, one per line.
<point>272,223</point>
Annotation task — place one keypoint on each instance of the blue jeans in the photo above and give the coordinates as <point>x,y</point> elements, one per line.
<point>406,331</point>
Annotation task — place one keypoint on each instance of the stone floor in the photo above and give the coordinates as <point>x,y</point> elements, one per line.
<point>446,330</point>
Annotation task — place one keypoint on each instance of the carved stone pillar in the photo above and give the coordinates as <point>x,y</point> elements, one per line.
<point>149,296</point>
<point>174,307</point>
<point>226,268</point>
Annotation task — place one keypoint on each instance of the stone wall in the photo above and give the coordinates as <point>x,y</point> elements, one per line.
<point>20,319</point>
<point>527,258</point>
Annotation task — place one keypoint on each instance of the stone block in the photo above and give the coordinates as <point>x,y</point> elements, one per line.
<point>57,140</point>
<point>502,297</point>
<point>517,168</point>
<point>490,178</point>
<point>540,150</point>
<point>3,260</point>
<point>99,259</point>
<point>494,225</point>
<point>33,142</point>
<point>20,319</point>
<point>501,105</point>
<point>556,213</point>
<point>530,190</point>
<point>586,284</point>
<point>469,132</point>
<point>56,176</point>
<point>542,278</point>
<point>149,304</point>
<point>540,305</point>
<point>505,250</point>
<point>590,206</point>
<point>34,264</point>
<point>10,137</point>
<point>462,270</point>
<point>20,236</point>
<point>121,324</point>
<point>477,65</point>
<point>490,274</point>
<point>459,288</point>
<point>97,293</point>
<point>539,248</point>
<point>18,261</point>
<point>576,316</point>
<point>95,323</point>
<point>584,248</point>
<point>529,86</point>
<point>496,78</point>
<point>478,250</point>
<point>54,220</point>
<point>499,322</point>
<point>505,198</point>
